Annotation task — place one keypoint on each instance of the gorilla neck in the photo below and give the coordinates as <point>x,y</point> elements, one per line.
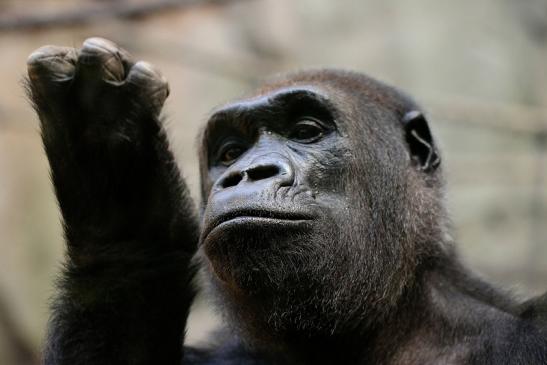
<point>447,308</point>
<point>424,313</point>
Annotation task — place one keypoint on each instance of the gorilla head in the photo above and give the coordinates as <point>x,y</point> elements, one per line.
<point>321,200</point>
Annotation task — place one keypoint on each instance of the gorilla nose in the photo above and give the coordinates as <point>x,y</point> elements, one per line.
<point>272,169</point>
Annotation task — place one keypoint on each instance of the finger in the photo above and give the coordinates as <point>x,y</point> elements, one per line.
<point>102,60</point>
<point>50,65</point>
<point>101,66</point>
<point>149,84</point>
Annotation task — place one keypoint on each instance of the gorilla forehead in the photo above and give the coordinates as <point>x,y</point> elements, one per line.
<point>336,89</point>
<point>343,86</point>
<point>260,107</point>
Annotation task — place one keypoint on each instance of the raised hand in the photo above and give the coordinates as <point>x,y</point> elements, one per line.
<point>129,222</point>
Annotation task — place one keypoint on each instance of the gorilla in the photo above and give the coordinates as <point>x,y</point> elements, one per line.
<point>322,232</point>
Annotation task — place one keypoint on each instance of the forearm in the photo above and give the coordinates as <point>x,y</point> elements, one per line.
<point>125,290</point>
<point>128,310</point>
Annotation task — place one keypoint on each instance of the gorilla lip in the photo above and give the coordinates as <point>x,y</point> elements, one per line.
<point>256,217</point>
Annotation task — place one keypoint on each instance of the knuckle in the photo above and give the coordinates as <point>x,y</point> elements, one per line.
<point>43,53</point>
<point>146,70</point>
<point>154,85</point>
<point>53,62</point>
<point>100,45</point>
<point>105,57</point>
<point>144,73</point>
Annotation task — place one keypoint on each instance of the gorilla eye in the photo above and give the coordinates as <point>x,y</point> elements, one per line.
<point>307,130</point>
<point>230,152</point>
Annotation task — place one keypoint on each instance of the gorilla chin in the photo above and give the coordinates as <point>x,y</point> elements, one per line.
<point>243,247</point>
<point>269,277</point>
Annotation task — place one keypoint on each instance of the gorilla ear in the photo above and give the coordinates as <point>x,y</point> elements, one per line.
<point>420,142</point>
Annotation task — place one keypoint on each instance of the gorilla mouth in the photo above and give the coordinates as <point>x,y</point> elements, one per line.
<point>257,217</point>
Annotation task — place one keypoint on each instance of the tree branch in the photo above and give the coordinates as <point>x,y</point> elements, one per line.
<point>93,13</point>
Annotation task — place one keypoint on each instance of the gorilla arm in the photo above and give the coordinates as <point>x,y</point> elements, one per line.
<point>129,223</point>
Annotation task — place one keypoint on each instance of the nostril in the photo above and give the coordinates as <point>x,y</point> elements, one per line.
<point>262,172</point>
<point>231,180</point>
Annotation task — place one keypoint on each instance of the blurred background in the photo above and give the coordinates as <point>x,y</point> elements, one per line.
<point>478,67</point>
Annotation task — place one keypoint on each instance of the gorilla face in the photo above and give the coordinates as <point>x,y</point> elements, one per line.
<point>305,209</point>
<point>274,170</point>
